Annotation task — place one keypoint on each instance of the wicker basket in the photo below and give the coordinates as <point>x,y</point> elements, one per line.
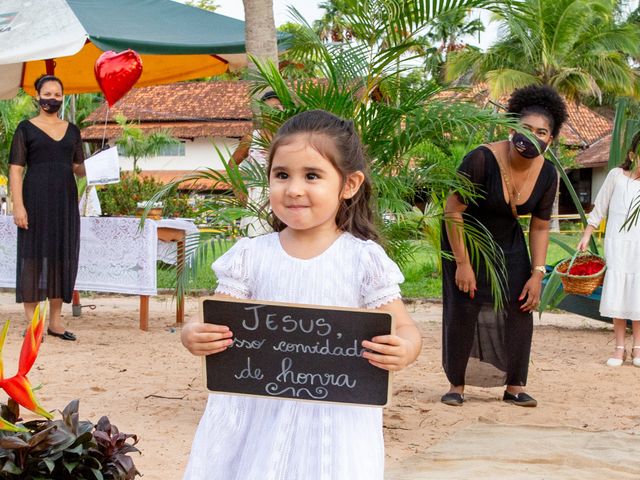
<point>580,284</point>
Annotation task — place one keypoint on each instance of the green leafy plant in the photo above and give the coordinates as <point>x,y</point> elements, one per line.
<point>122,198</point>
<point>12,112</point>
<point>65,449</point>
<point>362,81</point>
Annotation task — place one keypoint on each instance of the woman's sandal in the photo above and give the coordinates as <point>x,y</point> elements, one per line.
<point>64,336</point>
<point>617,362</point>
<point>636,358</point>
<point>452,398</point>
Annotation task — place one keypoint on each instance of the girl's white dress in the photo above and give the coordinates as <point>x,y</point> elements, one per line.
<point>621,289</point>
<point>250,438</point>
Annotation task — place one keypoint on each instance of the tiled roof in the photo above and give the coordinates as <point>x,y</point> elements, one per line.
<point>185,130</point>
<point>166,176</point>
<point>584,127</point>
<point>187,110</point>
<point>186,101</point>
<point>597,155</point>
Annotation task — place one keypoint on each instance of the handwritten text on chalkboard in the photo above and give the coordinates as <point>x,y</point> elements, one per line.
<point>297,351</point>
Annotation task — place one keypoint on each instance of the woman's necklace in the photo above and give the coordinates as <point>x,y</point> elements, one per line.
<point>513,183</point>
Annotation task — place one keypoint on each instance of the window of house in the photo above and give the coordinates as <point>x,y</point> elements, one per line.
<point>173,150</point>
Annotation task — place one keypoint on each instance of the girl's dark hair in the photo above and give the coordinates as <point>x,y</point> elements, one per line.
<point>631,153</point>
<point>540,100</point>
<point>337,141</point>
<point>42,79</point>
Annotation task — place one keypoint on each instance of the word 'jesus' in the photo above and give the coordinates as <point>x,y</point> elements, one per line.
<point>287,323</point>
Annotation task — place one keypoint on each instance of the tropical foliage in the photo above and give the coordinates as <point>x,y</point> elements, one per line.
<point>122,198</point>
<point>66,449</point>
<point>12,112</point>
<point>136,144</point>
<point>445,34</point>
<point>362,80</point>
<point>576,46</point>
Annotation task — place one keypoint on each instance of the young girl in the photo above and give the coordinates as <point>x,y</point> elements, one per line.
<point>620,299</point>
<point>322,252</point>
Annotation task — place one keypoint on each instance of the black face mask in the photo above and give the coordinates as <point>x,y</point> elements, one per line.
<point>526,148</point>
<point>50,105</point>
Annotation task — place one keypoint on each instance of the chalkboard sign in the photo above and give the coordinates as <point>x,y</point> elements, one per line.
<point>297,351</point>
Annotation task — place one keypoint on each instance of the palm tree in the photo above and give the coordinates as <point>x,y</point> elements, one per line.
<point>260,30</point>
<point>445,34</point>
<point>135,144</point>
<point>333,26</point>
<point>575,46</point>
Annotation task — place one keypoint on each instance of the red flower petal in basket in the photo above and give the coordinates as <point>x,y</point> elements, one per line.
<point>586,269</point>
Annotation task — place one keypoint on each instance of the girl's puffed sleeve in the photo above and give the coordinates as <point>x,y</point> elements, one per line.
<point>18,152</point>
<point>381,277</point>
<point>601,207</point>
<point>232,271</point>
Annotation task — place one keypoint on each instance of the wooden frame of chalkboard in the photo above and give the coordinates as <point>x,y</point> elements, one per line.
<point>296,351</point>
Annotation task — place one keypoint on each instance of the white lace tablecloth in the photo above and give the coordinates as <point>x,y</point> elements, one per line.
<point>115,255</point>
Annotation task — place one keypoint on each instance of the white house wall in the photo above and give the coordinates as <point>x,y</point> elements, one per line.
<point>199,153</point>
<point>598,175</point>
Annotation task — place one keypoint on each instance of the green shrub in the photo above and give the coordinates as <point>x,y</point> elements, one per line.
<point>122,198</point>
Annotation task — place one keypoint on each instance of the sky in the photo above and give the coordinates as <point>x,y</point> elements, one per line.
<point>310,11</point>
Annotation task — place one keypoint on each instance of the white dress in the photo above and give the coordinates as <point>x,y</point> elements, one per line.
<point>250,438</point>
<point>621,289</point>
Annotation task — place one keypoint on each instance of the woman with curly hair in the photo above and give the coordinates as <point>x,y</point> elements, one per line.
<point>483,346</point>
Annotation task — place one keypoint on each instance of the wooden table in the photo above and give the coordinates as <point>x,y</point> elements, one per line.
<point>166,234</point>
<point>115,256</point>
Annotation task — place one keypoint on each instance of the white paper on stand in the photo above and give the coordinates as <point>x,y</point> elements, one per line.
<point>103,168</point>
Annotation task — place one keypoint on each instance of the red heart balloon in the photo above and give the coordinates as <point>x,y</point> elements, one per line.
<point>117,73</point>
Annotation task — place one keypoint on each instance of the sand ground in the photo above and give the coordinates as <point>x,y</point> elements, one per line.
<point>148,384</point>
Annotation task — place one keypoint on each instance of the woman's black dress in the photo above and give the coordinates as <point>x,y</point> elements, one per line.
<point>481,346</point>
<point>48,250</point>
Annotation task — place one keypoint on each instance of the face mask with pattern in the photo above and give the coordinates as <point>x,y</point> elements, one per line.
<point>525,147</point>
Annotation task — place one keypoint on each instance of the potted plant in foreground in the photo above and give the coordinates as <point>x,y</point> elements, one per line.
<point>64,449</point>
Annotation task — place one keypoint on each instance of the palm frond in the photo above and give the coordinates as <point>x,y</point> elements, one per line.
<point>552,294</point>
<point>505,81</point>
<point>485,254</point>
<point>633,215</point>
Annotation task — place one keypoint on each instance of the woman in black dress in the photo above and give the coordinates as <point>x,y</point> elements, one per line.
<point>45,205</point>
<point>482,346</point>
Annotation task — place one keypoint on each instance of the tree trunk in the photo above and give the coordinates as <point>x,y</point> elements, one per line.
<point>260,31</point>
